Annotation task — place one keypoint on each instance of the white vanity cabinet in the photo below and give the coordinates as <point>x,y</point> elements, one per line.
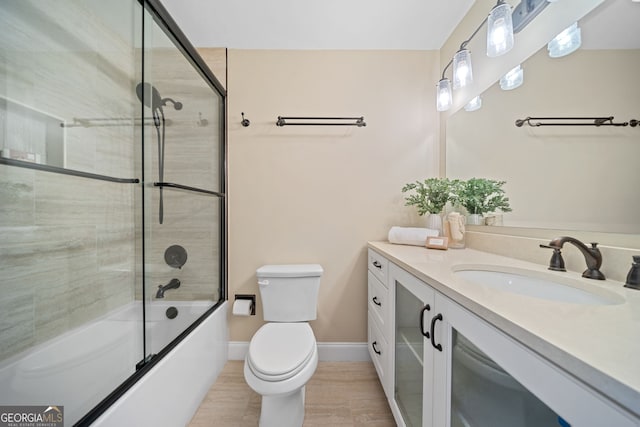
<point>450,368</point>
<point>379,324</point>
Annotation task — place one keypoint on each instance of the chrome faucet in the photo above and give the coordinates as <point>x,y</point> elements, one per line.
<point>173,284</point>
<point>592,256</point>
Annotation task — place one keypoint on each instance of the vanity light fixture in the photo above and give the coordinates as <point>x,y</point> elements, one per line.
<point>444,96</point>
<point>499,41</point>
<point>474,104</point>
<point>499,30</point>
<point>462,70</point>
<point>512,79</point>
<point>568,41</point>
<point>526,11</point>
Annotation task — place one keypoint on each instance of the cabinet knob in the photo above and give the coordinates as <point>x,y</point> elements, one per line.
<point>375,301</point>
<point>422,331</point>
<point>373,344</point>
<point>433,334</point>
<point>376,264</point>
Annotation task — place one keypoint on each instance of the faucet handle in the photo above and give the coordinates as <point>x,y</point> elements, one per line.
<point>556,263</point>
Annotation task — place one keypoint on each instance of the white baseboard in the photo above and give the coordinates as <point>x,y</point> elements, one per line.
<point>238,350</point>
<point>327,351</point>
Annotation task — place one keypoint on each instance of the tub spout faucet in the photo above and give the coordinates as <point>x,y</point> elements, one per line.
<point>173,284</point>
<point>592,256</point>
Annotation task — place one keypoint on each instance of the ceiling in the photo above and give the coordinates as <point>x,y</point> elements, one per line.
<point>319,24</point>
<point>366,24</point>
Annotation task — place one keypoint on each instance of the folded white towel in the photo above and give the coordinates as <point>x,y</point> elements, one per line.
<point>411,235</point>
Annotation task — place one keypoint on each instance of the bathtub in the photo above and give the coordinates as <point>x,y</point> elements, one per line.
<point>81,367</point>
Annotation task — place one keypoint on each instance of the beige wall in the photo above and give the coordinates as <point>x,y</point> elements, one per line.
<point>318,194</point>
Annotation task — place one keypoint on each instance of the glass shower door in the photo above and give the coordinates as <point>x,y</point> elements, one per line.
<point>183,136</point>
<point>69,324</point>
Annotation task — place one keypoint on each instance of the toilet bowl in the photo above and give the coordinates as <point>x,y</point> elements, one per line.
<point>283,354</point>
<point>282,358</point>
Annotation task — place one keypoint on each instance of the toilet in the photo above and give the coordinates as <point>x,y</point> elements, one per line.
<point>283,354</point>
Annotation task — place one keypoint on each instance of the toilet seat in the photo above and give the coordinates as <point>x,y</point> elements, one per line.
<point>279,351</point>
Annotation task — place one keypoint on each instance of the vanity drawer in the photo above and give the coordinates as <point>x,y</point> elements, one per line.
<point>379,266</point>
<point>378,301</point>
<point>378,349</point>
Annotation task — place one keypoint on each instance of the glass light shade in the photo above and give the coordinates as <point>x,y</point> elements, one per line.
<point>474,104</point>
<point>566,42</point>
<point>499,30</point>
<point>444,97</point>
<point>462,71</point>
<point>512,79</point>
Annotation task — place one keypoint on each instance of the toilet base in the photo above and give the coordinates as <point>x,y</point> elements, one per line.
<point>283,410</point>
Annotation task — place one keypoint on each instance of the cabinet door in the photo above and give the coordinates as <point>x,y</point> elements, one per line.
<point>484,378</point>
<point>413,373</point>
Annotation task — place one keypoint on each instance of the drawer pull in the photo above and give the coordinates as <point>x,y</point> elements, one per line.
<point>422,331</point>
<point>433,334</point>
<point>373,344</point>
<point>376,264</point>
<point>376,302</point>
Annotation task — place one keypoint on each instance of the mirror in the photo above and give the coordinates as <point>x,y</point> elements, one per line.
<point>563,177</point>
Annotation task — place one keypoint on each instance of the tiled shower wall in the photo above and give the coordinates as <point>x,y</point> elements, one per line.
<point>192,150</point>
<point>71,247</point>
<point>67,252</point>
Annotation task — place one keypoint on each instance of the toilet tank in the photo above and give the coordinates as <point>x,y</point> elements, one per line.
<point>289,292</point>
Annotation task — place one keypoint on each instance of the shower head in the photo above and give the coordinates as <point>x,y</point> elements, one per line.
<point>150,97</point>
<point>155,102</point>
<point>143,90</point>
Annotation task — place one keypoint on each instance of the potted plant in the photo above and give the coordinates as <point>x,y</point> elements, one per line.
<point>429,197</point>
<point>480,196</point>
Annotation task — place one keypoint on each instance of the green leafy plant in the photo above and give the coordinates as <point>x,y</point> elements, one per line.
<point>481,195</point>
<point>430,195</point>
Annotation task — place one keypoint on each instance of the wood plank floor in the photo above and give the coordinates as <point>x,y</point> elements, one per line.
<point>345,394</point>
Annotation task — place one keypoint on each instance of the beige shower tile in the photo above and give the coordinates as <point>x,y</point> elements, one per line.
<point>17,195</point>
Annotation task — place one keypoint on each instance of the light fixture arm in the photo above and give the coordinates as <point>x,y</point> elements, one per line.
<point>464,44</point>
<point>447,67</point>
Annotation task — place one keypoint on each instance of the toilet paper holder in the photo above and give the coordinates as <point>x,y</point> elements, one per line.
<point>251,297</point>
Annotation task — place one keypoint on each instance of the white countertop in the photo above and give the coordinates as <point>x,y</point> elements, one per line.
<point>599,344</point>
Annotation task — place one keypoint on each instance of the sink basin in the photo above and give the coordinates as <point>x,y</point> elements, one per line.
<point>537,284</point>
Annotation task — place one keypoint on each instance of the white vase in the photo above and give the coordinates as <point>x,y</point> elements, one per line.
<point>475,219</point>
<point>434,222</point>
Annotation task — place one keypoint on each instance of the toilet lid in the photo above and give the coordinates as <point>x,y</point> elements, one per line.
<point>278,351</point>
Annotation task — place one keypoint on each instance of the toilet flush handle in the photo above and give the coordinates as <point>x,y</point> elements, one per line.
<point>263,282</point>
